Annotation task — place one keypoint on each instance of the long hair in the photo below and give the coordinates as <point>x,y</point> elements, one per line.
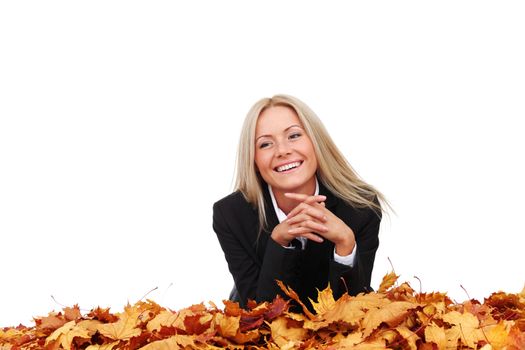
<point>333,170</point>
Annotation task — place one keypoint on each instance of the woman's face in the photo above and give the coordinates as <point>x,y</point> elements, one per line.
<point>284,154</point>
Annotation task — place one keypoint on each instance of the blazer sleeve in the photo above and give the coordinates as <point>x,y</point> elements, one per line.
<point>356,279</point>
<point>254,279</point>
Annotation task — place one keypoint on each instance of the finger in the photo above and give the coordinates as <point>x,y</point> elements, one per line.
<point>313,237</point>
<point>305,212</point>
<point>305,198</point>
<point>297,219</point>
<point>307,226</point>
<point>309,235</point>
<point>317,213</point>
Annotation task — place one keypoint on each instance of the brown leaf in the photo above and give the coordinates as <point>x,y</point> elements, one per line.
<point>197,324</point>
<point>52,322</point>
<point>72,313</point>
<point>276,308</point>
<point>388,281</point>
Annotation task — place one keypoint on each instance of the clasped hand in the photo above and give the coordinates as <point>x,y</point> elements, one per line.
<point>311,219</point>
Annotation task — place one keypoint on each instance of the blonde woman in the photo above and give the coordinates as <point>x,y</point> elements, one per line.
<point>299,213</point>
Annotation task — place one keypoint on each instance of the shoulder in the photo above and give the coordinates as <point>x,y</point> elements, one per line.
<point>358,218</point>
<point>234,207</point>
<point>232,201</point>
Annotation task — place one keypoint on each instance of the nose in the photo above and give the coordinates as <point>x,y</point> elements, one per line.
<point>283,148</point>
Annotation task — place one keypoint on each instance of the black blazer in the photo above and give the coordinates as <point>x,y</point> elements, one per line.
<point>256,263</point>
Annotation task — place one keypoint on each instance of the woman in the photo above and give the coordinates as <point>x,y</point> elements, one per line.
<point>299,213</point>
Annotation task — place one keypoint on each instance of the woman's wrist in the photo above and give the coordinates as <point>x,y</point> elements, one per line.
<point>279,240</point>
<point>346,245</point>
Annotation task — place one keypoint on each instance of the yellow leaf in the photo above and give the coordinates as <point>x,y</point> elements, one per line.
<point>371,345</point>
<point>228,325</point>
<point>390,314</point>
<point>387,282</point>
<point>109,346</point>
<point>409,336</point>
<point>65,334</point>
<point>350,340</point>
<point>125,327</point>
<point>497,335</point>
<point>172,343</point>
<point>325,301</point>
<point>436,335</point>
<point>351,309</point>
<point>466,328</point>
<point>164,318</point>
<point>282,335</point>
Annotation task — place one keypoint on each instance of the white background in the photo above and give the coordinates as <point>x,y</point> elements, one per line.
<point>119,123</point>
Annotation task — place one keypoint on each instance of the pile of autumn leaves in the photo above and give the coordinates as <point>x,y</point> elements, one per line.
<point>391,318</point>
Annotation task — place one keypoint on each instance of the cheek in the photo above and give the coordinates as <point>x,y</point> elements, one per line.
<point>260,161</point>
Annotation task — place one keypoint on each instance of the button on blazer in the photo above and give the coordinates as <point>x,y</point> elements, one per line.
<point>255,260</point>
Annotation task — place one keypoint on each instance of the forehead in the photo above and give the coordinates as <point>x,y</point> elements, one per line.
<point>276,119</point>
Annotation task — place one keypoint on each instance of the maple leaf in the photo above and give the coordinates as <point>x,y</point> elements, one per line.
<point>276,308</point>
<point>284,336</point>
<point>197,324</point>
<point>102,315</point>
<point>164,318</point>
<point>51,322</point>
<point>232,308</point>
<point>293,295</point>
<point>388,281</point>
<point>227,325</point>
<point>410,337</point>
<point>497,335</point>
<point>72,313</point>
<point>175,342</point>
<point>109,346</point>
<point>516,339</point>
<point>325,301</point>
<point>350,340</point>
<point>125,327</point>
<point>390,314</point>
<point>250,322</point>
<point>466,328</point>
<point>436,335</point>
<point>65,334</point>
<point>352,309</point>
<point>251,336</point>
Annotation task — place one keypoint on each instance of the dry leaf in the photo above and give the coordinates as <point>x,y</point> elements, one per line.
<point>388,281</point>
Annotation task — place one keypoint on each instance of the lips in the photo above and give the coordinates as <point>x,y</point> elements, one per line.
<point>288,166</point>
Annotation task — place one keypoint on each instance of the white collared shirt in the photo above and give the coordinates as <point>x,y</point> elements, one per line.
<point>281,216</point>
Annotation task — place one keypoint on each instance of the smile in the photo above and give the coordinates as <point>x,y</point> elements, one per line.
<point>287,167</point>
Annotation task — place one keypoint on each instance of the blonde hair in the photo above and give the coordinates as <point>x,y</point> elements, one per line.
<point>333,170</point>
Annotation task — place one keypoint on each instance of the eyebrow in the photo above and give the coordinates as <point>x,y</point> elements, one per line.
<point>285,130</point>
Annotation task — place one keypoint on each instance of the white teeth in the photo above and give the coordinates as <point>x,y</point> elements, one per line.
<point>288,166</point>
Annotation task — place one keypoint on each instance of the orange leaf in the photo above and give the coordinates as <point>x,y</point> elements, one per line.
<point>388,281</point>
<point>125,327</point>
<point>282,335</point>
<point>325,301</point>
<point>293,295</point>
